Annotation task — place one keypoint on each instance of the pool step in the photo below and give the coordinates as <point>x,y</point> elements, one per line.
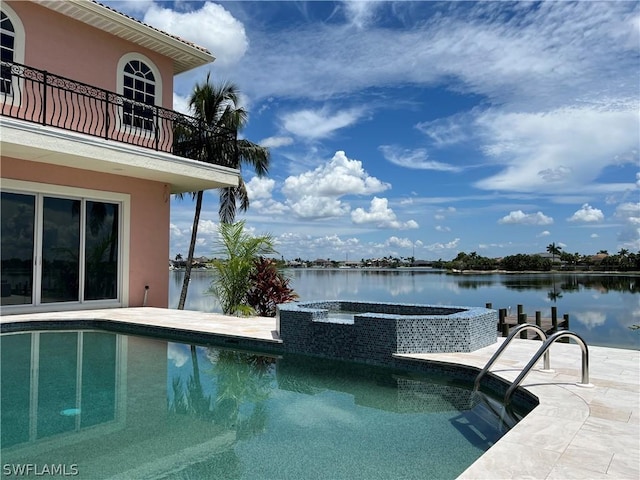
<point>485,421</point>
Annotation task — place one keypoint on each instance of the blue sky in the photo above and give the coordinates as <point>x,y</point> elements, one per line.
<point>425,128</point>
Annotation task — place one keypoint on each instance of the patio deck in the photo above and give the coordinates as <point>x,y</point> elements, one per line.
<point>575,432</point>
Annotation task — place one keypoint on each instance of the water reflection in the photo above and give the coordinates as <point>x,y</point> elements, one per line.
<point>216,390</point>
<point>616,297</point>
<point>57,384</point>
<point>132,407</point>
<point>573,282</point>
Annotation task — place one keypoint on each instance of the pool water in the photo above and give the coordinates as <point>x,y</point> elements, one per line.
<point>119,406</point>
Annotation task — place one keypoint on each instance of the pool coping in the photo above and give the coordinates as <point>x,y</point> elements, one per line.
<point>574,432</point>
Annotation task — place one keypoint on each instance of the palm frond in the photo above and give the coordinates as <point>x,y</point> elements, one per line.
<point>254,155</point>
<point>227,208</point>
<point>242,195</point>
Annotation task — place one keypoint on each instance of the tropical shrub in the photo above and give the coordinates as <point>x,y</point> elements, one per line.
<point>239,251</point>
<point>269,287</point>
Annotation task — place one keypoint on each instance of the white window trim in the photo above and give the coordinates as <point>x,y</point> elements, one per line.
<point>124,60</point>
<point>124,199</point>
<point>18,52</point>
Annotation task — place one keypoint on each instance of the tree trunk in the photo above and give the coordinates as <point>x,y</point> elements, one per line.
<point>192,247</point>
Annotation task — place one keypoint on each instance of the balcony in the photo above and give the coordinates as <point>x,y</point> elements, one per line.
<point>156,143</point>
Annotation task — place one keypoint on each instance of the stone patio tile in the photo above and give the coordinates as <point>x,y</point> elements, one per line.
<point>586,459</point>
<point>625,465</point>
<point>507,460</point>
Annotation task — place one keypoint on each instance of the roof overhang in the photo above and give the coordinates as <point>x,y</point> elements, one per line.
<point>185,55</point>
<point>37,143</point>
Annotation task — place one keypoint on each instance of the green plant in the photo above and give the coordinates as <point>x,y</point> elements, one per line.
<point>215,107</point>
<point>269,287</point>
<point>238,250</point>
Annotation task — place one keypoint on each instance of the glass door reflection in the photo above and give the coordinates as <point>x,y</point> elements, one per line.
<point>17,246</point>
<point>60,250</point>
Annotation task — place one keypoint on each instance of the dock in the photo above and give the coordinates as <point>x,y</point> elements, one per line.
<point>550,325</point>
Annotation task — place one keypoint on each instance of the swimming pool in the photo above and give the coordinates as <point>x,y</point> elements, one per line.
<point>124,406</point>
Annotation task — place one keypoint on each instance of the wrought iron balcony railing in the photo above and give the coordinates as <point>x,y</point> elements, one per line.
<point>41,97</point>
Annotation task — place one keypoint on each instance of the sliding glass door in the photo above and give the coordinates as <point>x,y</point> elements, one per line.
<point>17,248</point>
<point>57,249</point>
<point>101,250</point>
<point>60,250</point>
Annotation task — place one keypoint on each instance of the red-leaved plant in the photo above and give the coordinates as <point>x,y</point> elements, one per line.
<point>269,287</point>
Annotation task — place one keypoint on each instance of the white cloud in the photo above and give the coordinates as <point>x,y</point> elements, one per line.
<point>130,7</point>
<point>411,224</point>
<point>441,228</point>
<point>318,207</point>
<point>594,235</point>
<point>177,353</point>
<point>174,230</point>
<point>316,124</point>
<point>555,174</point>
<point>399,242</point>
<point>629,212</point>
<point>444,132</point>
<point>521,218</point>
<point>587,214</point>
<point>591,319</point>
<point>334,242</point>
<point>275,142</point>
<point>339,176</point>
<point>260,188</point>
<point>360,13</point>
<point>435,247</point>
<point>629,236</point>
<point>544,233</point>
<point>180,104</point>
<point>380,214</point>
<point>534,57</point>
<point>212,26</point>
<point>415,159</point>
<point>260,191</point>
<point>563,149</point>
<point>207,227</point>
<point>442,213</point>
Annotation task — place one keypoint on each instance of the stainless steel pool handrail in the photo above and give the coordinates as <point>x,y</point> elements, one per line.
<point>543,350</point>
<point>514,332</point>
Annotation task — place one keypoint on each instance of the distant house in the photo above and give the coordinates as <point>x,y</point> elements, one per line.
<point>90,155</point>
<point>296,264</point>
<point>200,262</point>
<point>598,258</point>
<point>351,263</point>
<point>552,257</point>
<point>422,263</point>
<point>322,263</point>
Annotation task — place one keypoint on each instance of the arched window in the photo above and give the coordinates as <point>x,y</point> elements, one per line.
<point>7,50</point>
<point>11,51</point>
<point>138,85</point>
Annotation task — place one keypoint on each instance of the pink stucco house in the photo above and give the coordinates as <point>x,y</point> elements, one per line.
<point>91,151</point>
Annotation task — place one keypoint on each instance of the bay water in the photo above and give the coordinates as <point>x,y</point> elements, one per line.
<point>604,309</point>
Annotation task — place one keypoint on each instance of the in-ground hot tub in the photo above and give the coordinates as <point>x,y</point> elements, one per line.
<point>372,332</point>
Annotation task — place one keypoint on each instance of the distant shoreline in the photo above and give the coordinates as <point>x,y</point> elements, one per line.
<point>508,272</point>
<point>447,272</point>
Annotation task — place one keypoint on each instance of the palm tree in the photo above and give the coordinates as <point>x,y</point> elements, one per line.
<point>216,107</point>
<point>554,250</point>
<point>239,251</point>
